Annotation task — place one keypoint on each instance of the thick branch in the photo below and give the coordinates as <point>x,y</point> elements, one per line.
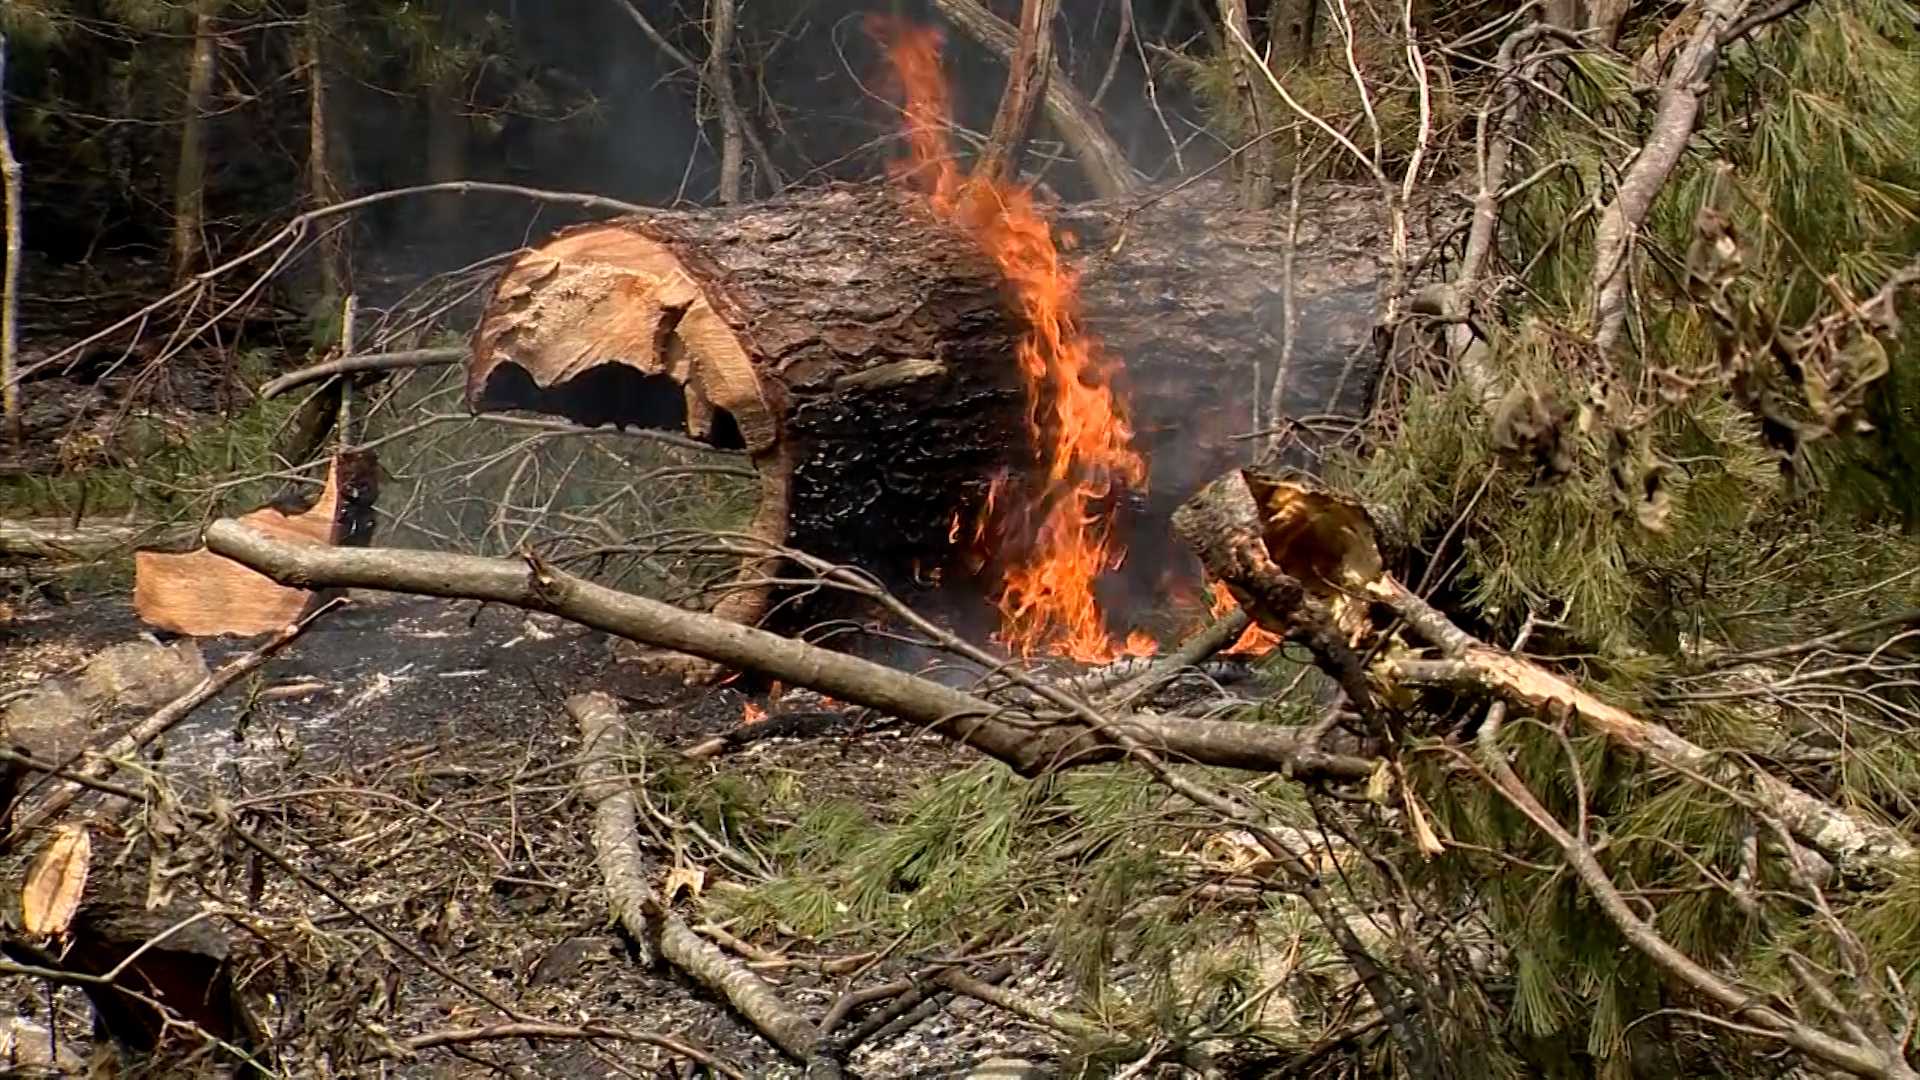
<point>1850,840</point>
<point>1027,77</point>
<point>1075,118</point>
<point>1027,747</point>
<point>1673,120</point>
<point>639,908</point>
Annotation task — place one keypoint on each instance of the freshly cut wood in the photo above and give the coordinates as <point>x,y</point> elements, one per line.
<point>862,352</point>
<point>201,594</point>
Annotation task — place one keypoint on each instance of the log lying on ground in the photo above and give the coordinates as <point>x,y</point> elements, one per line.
<point>639,908</point>
<point>59,538</point>
<point>1030,748</point>
<point>1304,560</point>
<point>200,594</point>
<point>862,351</point>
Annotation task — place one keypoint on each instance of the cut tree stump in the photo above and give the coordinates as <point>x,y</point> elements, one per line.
<point>862,353</point>
<point>201,594</point>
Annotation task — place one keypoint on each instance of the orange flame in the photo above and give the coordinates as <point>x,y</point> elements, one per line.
<point>1074,414</point>
<point>1257,640</point>
<point>751,714</point>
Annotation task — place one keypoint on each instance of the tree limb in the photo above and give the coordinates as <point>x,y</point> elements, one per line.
<point>639,908</point>
<point>407,358</point>
<point>1028,747</point>
<point>1027,78</point>
<point>1674,116</point>
<point>1078,122</point>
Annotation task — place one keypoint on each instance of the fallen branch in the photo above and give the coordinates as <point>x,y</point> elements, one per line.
<point>640,910</point>
<point>1858,1058</point>
<point>1029,747</point>
<point>535,1030</point>
<point>58,538</point>
<point>1849,840</point>
<point>391,361</point>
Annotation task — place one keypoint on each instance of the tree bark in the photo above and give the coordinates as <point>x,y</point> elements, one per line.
<point>719,77</point>
<point>1102,161</point>
<point>1256,165</point>
<point>862,353</point>
<point>1027,76</point>
<point>190,172</point>
<point>323,186</point>
<point>10,193</point>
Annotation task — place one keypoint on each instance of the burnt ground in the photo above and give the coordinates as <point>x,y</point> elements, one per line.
<point>415,754</point>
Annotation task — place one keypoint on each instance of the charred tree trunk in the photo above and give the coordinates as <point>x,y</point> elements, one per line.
<point>862,353</point>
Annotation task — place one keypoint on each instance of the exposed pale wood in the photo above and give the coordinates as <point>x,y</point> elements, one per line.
<point>201,594</point>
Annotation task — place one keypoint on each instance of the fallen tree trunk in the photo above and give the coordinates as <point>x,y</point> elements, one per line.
<point>862,352</point>
<point>59,538</point>
<point>1028,747</point>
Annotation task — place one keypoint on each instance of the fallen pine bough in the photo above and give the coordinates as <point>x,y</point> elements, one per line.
<point>1306,563</point>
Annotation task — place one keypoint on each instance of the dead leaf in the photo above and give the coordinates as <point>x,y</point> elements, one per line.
<point>1424,838</point>
<point>691,878</point>
<point>56,881</point>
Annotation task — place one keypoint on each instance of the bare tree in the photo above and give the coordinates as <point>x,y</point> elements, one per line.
<point>10,285</point>
<point>719,79</point>
<point>190,172</point>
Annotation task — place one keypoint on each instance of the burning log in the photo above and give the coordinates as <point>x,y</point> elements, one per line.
<point>201,594</point>
<point>866,352</point>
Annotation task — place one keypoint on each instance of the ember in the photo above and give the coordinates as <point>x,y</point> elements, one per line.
<point>1080,423</point>
<point>752,714</point>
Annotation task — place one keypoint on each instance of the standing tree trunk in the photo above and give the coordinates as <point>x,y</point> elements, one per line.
<point>1026,84</point>
<point>446,150</point>
<point>10,281</point>
<point>1071,114</point>
<point>323,188</point>
<point>1290,29</point>
<point>1256,164</point>
<point>190,174</point>
<point>720,79</point>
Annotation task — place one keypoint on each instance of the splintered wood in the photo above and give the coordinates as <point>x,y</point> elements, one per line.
<point>608,294</point>
<point>201,594</point>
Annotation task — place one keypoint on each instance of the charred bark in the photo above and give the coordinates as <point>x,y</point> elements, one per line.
<point>862,352</point>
